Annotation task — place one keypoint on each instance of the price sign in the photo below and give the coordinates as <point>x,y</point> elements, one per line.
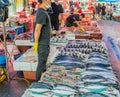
<point>70,36</point>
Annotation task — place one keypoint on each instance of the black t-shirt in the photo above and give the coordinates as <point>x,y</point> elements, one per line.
<point>57,9</point>
<point>103,10</point>
<point>98,9</point>
<point>71,18</point>
<point>42,17</point>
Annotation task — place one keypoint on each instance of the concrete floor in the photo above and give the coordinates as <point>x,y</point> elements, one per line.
<point>13,88</point>
<point>112,29</point>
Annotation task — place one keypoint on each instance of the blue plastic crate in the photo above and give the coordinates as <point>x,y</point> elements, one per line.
<point>11,36</point>
<point>2,59</point>
<point>19,29</point>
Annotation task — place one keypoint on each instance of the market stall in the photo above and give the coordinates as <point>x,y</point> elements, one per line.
<point>72,72</point>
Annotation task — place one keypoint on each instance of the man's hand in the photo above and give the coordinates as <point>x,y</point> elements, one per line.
<point>35,48</point>
<point>62,22</point>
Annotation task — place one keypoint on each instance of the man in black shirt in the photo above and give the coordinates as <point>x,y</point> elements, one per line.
<point>42,36</point>
<point>57,9</point>
<point>72,20</point>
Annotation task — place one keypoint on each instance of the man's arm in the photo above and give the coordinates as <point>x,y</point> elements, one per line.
<point>37,32</point>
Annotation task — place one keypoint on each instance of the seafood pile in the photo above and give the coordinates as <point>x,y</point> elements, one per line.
<point>82,48</point>
<point>81,69</point>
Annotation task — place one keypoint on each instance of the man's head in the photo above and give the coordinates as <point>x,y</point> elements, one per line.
<point>72,20</point>
<point>45,2</point>
<point>56,0</point>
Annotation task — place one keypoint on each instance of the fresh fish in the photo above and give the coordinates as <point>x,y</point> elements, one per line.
<point>38,90</point>
<point>99,64</point>
<point>69,66</point>
<point>97,56</point>
<point>30,94</point>
<point>62,93</point>
<point>93,77</point>
<point>43,85</point>
<point>96,88</point>
<point>67,62</point>
<point>93,94</point>
<point>97,60</point>
<point>100,69</point>
<point>107,75</point>
<point>71,88</point>
<point>70,58</point>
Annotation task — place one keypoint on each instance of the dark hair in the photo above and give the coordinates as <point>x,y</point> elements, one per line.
<point>83,15</point>
<point>40,1</point>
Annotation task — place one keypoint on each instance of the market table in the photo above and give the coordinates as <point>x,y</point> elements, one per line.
<point>11,31</point>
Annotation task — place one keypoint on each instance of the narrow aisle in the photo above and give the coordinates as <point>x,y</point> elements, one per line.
<point>111,29</point>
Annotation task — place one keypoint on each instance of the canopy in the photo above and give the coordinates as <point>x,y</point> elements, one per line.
<point>108,0</point>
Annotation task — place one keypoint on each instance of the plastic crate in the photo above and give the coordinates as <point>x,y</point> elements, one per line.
<point>2,59</point>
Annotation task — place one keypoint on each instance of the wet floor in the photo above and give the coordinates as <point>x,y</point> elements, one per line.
<point>13,88</point>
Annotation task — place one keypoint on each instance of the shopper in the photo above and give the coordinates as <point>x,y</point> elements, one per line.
<point>79,10</point>
<point>71,4</point>
<point>57,10</point>
<point>111,12</point>
<point>108,11</point>
<point>92,9</point>
<point>41,36</point>
<point>103,11</point>
<point>98,10</point>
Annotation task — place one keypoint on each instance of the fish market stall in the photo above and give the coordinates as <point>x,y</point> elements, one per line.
<point>80,69</point>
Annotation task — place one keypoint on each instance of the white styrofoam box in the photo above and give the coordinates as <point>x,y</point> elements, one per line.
<point>21,65</point>
<point>24,43</point>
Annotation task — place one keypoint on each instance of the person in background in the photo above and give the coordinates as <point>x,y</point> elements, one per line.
<point>79,10</point>
<point>111,12</point>
<point>98,10</point>
<point>73,21</point>
<point>57,10</point>
<point>108,11</point>
<point>71,7</point>
<point>103,11</point>
<point>42,36</point>
<point>92,9</point>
